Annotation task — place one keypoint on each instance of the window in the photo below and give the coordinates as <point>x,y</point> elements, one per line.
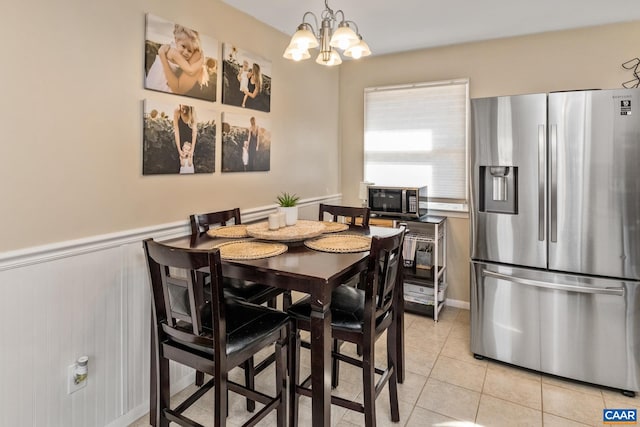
<point>416,135</point>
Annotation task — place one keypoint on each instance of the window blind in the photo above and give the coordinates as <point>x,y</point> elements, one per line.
<point>417,135</point>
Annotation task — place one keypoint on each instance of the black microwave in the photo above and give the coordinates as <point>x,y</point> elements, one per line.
<point>398,201</point>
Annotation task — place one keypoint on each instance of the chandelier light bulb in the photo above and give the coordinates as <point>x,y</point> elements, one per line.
<point>359,50</point>
<point>304,38</point>
<point>298,55</point>
<point>334,59</point>
<point>344,37</point>
<point>295,54</point>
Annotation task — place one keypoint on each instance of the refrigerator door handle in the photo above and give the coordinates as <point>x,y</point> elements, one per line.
<point>554,286</point>
<point>553,202</point>
<point>541,179</point>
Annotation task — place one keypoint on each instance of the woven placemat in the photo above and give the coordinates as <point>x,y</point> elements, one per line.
<point>250,250</point>
<point>302,230</point>
<point>231,231</point>
<point>334,227</point>
<point>340,243</point>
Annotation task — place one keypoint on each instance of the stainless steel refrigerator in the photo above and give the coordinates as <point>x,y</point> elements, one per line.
<point>555,229</point>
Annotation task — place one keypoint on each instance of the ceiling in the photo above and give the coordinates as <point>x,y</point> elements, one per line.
<point>402,25</point>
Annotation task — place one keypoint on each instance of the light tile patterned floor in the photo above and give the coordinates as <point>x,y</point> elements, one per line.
<point>446,386</point>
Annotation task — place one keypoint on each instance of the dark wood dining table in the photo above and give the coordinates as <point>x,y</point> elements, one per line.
<point>311,272</point>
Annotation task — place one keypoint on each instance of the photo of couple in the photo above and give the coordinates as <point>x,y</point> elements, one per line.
<point>246,143</point>
<point>246,79</point>
<point>180,60</point>
<point>177,139</point>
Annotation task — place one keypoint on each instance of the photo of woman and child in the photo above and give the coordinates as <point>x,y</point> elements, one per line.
<point>246,79</point>
<point>246,143</point>
<point>175,60</point>
<point>177,140</point>
<point>185,130</point>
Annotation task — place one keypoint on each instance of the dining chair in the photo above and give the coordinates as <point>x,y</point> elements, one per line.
<point>358,316</point>
<point>354,216</point>
<point>212,336</point>
<point>242,290</point>
<point>234,288</point>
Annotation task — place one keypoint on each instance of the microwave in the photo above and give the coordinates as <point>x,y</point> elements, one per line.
<point>398,201</point>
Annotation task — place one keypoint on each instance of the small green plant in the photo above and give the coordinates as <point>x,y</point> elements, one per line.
<point>287,200</point>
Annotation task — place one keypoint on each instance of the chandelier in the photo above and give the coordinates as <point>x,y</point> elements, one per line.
<point>327,38</point>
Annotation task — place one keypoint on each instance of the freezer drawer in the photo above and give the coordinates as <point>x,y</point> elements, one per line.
<point>577,327</point>
<point>592,332</point>
<point>505,319</point>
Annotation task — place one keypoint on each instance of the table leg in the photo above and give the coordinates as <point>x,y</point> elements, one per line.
<point>321,362</point>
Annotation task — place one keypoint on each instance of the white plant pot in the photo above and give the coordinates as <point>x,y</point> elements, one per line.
<point>290,214</point>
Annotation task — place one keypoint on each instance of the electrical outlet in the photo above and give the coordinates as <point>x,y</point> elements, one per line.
<point>72,387</point>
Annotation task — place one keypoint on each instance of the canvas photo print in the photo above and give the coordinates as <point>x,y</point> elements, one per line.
<point>246,143</point>
<point>180,60</point>
<point>246,79</point>
<point>178,139</point>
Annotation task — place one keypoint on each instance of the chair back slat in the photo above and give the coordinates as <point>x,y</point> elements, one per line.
<point>348,214</point>
<point>177,288</point>
<point>383,271</point>
<point>201,223</point>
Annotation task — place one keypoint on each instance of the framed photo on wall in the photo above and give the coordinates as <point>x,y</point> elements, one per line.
<point>180,60</point>
<point>247,79</point>
<point>246,143</point>
<point>178,139</point>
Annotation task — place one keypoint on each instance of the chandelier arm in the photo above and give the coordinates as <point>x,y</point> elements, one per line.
<point>355,25</point>
<point>328,9</point>
<point>315,30</point>
<point>339,11</point>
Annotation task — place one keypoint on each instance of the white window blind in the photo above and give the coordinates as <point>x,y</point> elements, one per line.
<point>416,135</point>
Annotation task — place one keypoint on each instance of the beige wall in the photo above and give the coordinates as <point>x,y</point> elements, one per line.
<point>578,59</point>
<point>71,110</point>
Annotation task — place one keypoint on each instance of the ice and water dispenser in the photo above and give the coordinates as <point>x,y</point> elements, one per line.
<point>499,189</point>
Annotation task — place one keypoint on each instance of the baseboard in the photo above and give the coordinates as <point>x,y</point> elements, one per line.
<point>142,410</point>
<point>465,305</point>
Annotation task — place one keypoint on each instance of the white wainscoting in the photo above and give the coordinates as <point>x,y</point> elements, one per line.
<point>88,297</point>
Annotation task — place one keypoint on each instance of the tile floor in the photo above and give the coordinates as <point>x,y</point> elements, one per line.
<point>446,386</point>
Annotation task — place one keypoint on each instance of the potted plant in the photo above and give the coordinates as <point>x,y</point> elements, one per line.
<point>288,204</point>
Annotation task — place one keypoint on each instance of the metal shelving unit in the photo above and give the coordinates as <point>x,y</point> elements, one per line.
<point>425,273</point>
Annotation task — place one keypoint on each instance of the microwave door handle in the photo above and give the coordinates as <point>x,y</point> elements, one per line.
<point>404,201</point>
<point>554,286</point>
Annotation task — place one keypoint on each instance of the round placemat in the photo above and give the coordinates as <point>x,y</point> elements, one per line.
<point>334,227</point>
<point>302,230</point>
<point>340,243</point>
<point>231,231</point>
<point>250,250</point>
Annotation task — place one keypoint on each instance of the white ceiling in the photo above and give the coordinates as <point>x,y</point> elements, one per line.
<point>390,26</point>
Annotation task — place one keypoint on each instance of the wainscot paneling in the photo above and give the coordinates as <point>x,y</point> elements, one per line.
<point>84,298</point>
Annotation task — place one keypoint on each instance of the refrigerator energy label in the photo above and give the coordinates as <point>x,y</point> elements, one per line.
<point>625,107</point>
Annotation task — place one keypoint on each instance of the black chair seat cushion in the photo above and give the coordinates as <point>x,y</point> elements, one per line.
<point>246,324</point>
<point>347,309</point>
